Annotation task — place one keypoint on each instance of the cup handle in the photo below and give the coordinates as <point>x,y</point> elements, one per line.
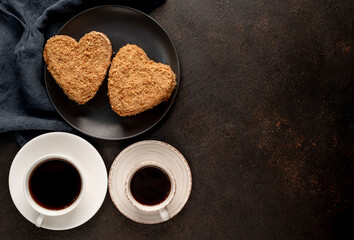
<point>164,214</point>
<point>40,220</point>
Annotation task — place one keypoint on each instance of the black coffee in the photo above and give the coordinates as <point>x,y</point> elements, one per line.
<point>150,186</point>
<point>55,184</point>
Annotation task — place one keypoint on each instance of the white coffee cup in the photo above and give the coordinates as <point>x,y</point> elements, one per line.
<point>42,211</point>
<point>161,208</point>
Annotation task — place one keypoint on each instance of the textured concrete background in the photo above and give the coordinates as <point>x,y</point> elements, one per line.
<point>264,116</point>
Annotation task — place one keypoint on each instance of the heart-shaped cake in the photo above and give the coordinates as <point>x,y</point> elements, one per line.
<point>136,83</point>
<point>79,68</point>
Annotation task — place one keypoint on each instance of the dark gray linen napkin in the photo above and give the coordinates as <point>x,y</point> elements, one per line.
<point>24,28</point>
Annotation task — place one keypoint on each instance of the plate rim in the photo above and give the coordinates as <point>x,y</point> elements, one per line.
<point>172,97</point>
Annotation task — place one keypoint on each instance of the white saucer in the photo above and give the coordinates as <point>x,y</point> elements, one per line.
<point>149,150</point>
<point>78,150</point>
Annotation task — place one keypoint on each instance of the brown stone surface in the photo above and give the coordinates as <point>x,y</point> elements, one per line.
<point>264,115</point>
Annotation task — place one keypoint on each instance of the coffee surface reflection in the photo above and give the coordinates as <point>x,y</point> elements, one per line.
<point>55,184</point>
<point>150,185</point>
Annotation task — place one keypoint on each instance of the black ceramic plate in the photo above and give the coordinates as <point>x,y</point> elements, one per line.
<point>122,25</point>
